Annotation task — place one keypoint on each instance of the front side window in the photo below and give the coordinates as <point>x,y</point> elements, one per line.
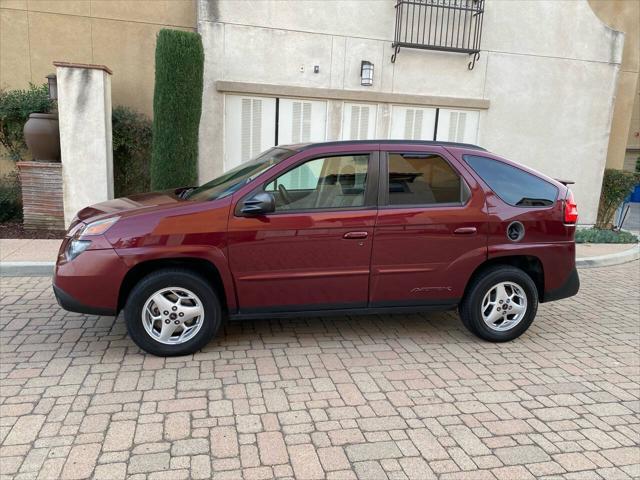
<point>329,182</point>
<point>514,186</point>
<point>418,179</point>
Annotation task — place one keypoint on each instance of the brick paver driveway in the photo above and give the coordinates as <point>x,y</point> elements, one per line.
<point>406,396</point>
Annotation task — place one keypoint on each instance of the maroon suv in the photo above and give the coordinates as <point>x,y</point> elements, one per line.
<point>332,228</point>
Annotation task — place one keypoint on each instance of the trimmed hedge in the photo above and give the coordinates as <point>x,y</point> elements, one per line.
<point>596,235</point>
<point>177,104</point>
<point>10,198</point>
<point>131,152</point>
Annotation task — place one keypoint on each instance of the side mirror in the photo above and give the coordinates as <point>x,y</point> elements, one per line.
<point>259,204</point>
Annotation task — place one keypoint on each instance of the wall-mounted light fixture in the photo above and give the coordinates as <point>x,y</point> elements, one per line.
<point>52,84</point>
<point>366,73</point>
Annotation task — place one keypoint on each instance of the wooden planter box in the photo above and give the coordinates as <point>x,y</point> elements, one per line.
<point>42,194</point>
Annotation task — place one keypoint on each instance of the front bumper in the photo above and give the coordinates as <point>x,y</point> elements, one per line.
<point>72,304</point>
<point>90,283</point>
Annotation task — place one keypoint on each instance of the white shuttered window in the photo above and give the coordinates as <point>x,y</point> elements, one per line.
<point>250,124</point>
<point>249,128</point>
<point>301,121</point>
<point>412,123</point>
<point>359,121</point>
<point>457,126</point>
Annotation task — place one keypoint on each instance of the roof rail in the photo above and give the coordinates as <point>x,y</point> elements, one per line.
<point>387,141</point>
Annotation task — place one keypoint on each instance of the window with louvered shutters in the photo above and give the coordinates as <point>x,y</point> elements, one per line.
<point>301,121</point>
<point>458,126</point>
<point>249,128</point>
<point>412,123</point>
<point>359,121</point>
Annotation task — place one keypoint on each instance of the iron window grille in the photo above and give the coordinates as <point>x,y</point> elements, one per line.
<point>443,25</point>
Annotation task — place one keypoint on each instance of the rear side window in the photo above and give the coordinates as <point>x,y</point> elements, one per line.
<point>514,186</point>
<point>418,179</point>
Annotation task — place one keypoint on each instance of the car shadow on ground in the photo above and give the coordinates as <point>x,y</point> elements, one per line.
<point>333,332</point>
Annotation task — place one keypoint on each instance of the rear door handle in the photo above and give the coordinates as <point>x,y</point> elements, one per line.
<point>355,235</point>
<point>465,230</point>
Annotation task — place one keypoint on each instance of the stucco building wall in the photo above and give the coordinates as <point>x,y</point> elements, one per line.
<point>544,84</point>
<point>624,141</point>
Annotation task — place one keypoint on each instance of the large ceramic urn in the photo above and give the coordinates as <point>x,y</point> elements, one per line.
<point>42,136</point>
<point>41,179</point>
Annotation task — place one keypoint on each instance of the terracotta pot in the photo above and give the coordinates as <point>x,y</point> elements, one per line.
<point>42,136</point>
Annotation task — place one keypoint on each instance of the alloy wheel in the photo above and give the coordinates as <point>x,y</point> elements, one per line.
<point>173,315</point>
<point>504,306</point>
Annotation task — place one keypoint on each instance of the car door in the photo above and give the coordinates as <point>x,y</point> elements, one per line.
<point>431,231</point>
<point>314,251</point>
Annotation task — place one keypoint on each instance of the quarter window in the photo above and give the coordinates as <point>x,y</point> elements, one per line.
<point>416,179</point>
<point>330,182</point>
<point>514,186</point>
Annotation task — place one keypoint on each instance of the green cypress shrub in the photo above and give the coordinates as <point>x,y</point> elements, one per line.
<point>131,151</point>
<point>177,103</point>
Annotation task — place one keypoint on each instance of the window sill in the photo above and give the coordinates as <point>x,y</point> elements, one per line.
<point>349,95</point>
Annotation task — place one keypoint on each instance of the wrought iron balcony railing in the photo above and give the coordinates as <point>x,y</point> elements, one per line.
<point>445,25</point>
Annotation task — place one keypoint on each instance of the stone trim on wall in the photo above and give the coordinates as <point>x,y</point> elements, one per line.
<point>83,65</point>
<point>349,95</point>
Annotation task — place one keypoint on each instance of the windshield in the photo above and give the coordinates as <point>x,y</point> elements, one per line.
<point>235,178</point>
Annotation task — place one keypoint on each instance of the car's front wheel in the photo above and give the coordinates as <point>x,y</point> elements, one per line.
<point>500,304</point>
<point>172,312</point>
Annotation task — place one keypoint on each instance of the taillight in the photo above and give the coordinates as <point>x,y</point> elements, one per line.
<point>570,209</point>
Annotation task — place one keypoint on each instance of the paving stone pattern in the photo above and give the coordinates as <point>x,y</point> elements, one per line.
<point>397,397</point>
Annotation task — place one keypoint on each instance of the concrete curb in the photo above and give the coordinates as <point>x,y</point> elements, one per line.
<point>45,269</point>
<point>618,258</point>
<point>26,269</point>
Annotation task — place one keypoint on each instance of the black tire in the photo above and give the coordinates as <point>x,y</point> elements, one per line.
<point>471,307</point>
<point>165,278</point>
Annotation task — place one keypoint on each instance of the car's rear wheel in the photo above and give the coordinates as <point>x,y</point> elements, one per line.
<point>172,312</point>
<point>500,304</point>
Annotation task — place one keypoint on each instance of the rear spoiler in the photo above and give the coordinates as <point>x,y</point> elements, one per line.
<point>564,182</point>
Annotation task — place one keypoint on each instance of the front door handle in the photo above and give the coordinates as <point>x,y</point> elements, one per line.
<point>355,235</point>
<point>465,230</point>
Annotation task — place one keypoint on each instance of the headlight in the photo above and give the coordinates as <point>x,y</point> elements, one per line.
<point>76,247</point>
<point>79,243</point>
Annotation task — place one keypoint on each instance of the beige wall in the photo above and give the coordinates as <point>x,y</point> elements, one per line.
<point>634,132</point>
<point>118,33</point>
<point>633,142</point>
<point>623,15</point>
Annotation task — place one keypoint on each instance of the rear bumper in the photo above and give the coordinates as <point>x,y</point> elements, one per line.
<point>568,289</point>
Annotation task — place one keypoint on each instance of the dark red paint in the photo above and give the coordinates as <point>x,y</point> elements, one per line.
<point>366,257</point>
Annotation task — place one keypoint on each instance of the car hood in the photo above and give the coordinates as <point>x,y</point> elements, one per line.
<point>130,204</point>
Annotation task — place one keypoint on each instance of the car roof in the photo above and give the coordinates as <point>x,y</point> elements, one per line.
<point>305,146</point>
